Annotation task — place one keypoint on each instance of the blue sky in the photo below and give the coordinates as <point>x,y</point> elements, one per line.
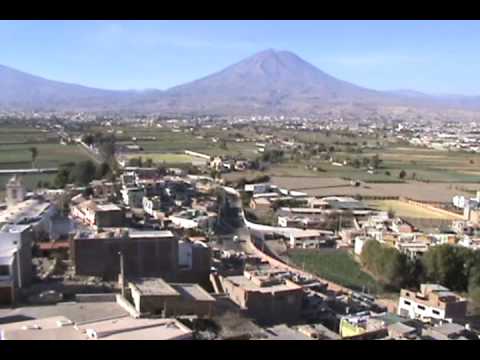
<point>429,56</point>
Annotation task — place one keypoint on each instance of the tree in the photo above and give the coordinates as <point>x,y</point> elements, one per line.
<point>402,174</point>
<point>356,163</point>
<point>376,161</point>
<point>63,176</point>
<point>148,162</point>
<point>102,170</point>
<point>88,139</point>
<point>365,162</point>
<point>83,172</point>
<point>391,213</point>
<point>34,153</point>
<point>444,264</point>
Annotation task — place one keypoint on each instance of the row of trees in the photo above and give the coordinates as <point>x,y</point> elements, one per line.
<point>455,267</point>
<point>81,173</point>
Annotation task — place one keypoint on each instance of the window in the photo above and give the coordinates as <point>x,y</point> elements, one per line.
<point>421,307</point>
<point>407,294</point>
<point>436,312</point>
<point>4,270</point>
<point>407,302</point>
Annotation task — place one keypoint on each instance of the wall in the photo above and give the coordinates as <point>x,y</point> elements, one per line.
<point>143,257</point>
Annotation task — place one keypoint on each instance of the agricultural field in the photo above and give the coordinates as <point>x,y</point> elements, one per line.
<point>441,192</point>
<point>15,143</point>
<point>168,158</point>
<point>18,156</point>
<point>404,209</point>
<point>176,141</point>
<point>337,266</point>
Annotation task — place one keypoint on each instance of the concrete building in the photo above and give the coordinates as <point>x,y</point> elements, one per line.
<point>146,253</point>
<point>448,331</point>
<point>133,196</point>
<point>152,205</point>
<point>194,219</point>
<point>157,297</point>
<point>15,191</point>
<point>32,211</point>
<point>98,214</point>
<point>260,204</point>
<point>15,260</point>
<point>119,328</point>
<point>433,302</point>
<point>265,295</point>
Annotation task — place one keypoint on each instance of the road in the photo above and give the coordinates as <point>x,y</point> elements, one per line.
<point>95,157</point>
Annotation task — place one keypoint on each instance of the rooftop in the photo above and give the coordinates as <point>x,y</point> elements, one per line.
<point>30,209</point>
<point>193,291</point>
<point>153,286</point>
<point>249,285</point>
<point>128,328</point>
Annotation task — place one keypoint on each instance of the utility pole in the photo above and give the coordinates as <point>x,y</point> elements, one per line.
<point>122,273</point>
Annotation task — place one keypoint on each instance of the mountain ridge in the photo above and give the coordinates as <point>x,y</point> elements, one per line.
<point>268,81</point>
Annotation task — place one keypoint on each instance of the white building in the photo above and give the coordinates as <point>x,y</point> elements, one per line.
<point>432,302</point>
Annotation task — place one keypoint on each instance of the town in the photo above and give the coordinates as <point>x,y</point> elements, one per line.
<point>259,228</point>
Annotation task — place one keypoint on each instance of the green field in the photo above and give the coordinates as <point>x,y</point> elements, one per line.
<point>166,158</point>
<point>337,266</point>
<point>18,156</point>
<point>14,153</point>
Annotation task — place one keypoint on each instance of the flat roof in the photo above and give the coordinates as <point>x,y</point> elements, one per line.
<point>153,286</point>
<point>78,312</point>
<point>283,332</point>
<point>41,329</point>
<point>247,284</point>
<point>193,291</point>
<point>128,328</point>
<point>30,208</point>
<point>108,207</point>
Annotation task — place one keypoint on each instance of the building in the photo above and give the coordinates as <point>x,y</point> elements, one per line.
<point>98,214</point>
<point>146,253</point>
<point>258,188</point>
<point>260,204</point>
<point>156,297</point>
<point>449,331</point>
<point>309,238</point>
<point>194,262</point>
<point>433,302</point>
<point>367,325</point>
<point>133,196</point>
<point>32,211</point>
<point>15,260</point>
<point>15,191</point>
<point>194,219</point>
<point>152,205</point>
<point>119,328</point>
<point>265,295</point>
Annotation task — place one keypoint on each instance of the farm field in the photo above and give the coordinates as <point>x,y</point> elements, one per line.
<point>166,157</point>
<point>337,266</point>
<point>49,155</point>
<point>404,209</point>
<point>441,192</point>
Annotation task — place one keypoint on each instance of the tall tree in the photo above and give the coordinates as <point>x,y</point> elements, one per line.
<point>34,153</point>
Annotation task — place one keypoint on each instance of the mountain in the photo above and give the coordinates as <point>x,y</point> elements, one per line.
<point>22,91</point>
<point>270,81</point>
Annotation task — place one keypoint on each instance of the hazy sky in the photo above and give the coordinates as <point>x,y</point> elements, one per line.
<point>430,56</point>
